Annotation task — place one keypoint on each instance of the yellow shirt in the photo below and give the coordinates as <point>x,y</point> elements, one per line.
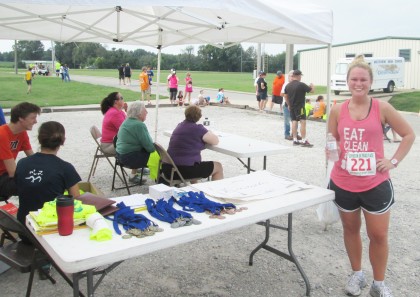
<point>28,75</point>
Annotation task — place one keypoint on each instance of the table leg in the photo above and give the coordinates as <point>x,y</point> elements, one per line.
<point>290,257</point>
<point>265,163</point>
<point>76,277</point>
<point>249,166</point>
<point>89,280</point>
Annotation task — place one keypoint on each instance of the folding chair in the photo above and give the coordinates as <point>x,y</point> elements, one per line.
<point>166,158</point>
<point>25,257</point>
<point>99,153</point>
<point>124,174</point>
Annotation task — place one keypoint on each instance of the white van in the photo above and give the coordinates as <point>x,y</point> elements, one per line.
<point>388,73</point>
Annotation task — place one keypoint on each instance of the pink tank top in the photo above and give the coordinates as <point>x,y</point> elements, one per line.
<point>361,145</point>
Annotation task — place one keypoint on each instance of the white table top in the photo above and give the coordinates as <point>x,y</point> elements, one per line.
<point>76,253</point>
<point>242,147</point>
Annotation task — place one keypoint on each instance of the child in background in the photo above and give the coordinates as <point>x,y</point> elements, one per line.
<point>188,87</point>
<point>320,108</point>
<point>203,100</point>
<point>28,79</point>
<point>180,98</point>
<point>308,107</point>
<point>221,98</point>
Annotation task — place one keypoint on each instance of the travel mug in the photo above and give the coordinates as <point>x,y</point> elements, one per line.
<point>65,210</point>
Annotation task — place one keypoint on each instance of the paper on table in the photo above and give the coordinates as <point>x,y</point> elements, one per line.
<point>133,200</point>
<point>255,186</point>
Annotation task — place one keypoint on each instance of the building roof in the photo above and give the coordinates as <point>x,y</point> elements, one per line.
<point>362,41</point>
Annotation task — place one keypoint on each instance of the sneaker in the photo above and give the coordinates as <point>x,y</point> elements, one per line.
<point>296,143</point>
<point>380,291</point>
<point>306,144</point>
<point>44,271</point>
<point>146,171</point>
<point>355,284</point>
<point>135,179</point>
<point>288,137</point>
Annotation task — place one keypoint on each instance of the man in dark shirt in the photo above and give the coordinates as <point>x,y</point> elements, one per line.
<point>121,74</point>
<point>295,93</point>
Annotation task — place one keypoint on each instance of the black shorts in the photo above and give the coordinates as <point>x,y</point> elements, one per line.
<point>263,95</point>
<point>277,99</point>
<point>198,170</point>
<point>29,82</point>
<point>121,76</point>
<point>134,160</point>
<point>377,200</point>
<point>297,113</point>
<point>7,186</point>
<point>258,97</point>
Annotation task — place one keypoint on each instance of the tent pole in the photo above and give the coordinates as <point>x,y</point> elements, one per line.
<point>159,47</point>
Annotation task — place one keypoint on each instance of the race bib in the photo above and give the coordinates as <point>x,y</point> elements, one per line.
<point>361,163</point>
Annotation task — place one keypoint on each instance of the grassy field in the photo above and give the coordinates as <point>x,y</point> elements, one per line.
<point>50,91</point>
<point>235,81</point>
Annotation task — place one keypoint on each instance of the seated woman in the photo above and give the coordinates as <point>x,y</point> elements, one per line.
<point>43,176</point>
<point>186,143</point>
<point>112,107</point>
<point>134,143</point>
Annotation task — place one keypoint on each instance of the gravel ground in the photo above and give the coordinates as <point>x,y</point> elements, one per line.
<point>218,265</point>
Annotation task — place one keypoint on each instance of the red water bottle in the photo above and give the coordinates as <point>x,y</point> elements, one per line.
<point>65,210</point>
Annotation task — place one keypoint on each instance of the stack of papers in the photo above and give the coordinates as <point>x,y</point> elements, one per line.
<point>254,186</point>
<point>51,227</point>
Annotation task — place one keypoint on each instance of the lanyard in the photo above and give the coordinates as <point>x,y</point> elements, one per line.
<point>164,211</point>
<point>129,220</point>
<point>194,201</point>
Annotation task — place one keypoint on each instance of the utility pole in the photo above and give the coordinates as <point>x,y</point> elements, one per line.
<point>16,65</point>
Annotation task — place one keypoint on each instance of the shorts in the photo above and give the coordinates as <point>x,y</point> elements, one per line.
<point>29,82</point>
<point>198,170</point>
<point>297,113</point>
<point>7,186</point>
<point>263,95</point>
<point>127,75</point>
<point>134,160</point>
<point>57,71</point>
<point>121,76</point>
<point>277,99</point>
<point>145,92</point>
<point>377,200</point>
<point>258,97</point>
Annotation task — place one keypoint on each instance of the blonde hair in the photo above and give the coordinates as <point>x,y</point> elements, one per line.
<point>360,62</point>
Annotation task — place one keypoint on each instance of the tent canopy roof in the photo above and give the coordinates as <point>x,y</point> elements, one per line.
<point>138,22</point>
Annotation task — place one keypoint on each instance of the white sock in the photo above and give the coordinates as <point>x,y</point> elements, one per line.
<point>378,283</point>
<point>358,273</point>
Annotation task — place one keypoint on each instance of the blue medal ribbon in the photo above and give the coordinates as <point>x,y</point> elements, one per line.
<point>194,201</point>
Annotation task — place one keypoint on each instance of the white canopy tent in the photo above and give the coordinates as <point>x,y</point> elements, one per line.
<point>162,23</point>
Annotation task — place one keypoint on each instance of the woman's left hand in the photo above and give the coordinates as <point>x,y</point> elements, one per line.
<point>383,165</point>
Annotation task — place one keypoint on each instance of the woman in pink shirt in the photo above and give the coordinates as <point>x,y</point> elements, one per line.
<point>112,108</point>
<point>173,87</point>
<point>360,178</point>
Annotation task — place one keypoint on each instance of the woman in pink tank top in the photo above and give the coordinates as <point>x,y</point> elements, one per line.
<point>360,178</point>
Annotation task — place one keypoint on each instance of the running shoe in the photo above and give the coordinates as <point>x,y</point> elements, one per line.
<point>306,144</point>
<point>380,291</point>
<point>136,179</point>
<point>355,284</point>
<point>296,143</point>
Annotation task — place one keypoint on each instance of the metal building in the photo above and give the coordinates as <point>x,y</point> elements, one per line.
<point>312,61</point>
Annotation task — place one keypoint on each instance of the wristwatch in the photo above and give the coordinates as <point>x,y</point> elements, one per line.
<point>394,162</point>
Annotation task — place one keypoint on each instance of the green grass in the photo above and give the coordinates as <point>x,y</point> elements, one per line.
<point>234,81</point>
<point>51,91</point>
<point>406,101</point>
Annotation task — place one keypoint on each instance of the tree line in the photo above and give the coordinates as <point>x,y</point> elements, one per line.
<point>208,58</point>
